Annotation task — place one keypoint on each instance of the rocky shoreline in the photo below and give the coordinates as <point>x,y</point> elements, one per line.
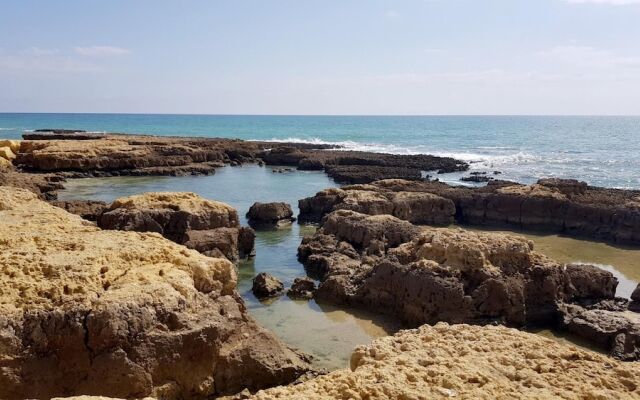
<point>138,297</point>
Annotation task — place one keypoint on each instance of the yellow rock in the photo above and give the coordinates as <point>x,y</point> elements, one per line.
<point>14,145</point>
<point>6,153</point>
<point>4,163</point>
<point>470,362</point>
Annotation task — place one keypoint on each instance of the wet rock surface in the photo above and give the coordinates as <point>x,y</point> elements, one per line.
<point>302,289</point>
<point>121,314</point>
<point>207,226</point>
<point>564,206</point>
<point>469,362</point>
<point>427,275</point>
<point>267,286</point>
<point>270,214</point>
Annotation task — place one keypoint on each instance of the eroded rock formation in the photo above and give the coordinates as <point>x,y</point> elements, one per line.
<point>210,227</point>
<point>266,286</point>
<point>427,275</point>
<point>121,314</point>
<point>469,362</point>
<point>302,289</point>
<point>564,206</point>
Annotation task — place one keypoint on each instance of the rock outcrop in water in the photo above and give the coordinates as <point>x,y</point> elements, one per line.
<point>415,207</point>
<point>428,275</point>
<point>210,227</point>
<point>88,154</point>
<point>565,206</point>
<point>87,209</point>
<point>469,362</point>
<point>122,314</point>
<point>270,214</point>
<point>266,286</point>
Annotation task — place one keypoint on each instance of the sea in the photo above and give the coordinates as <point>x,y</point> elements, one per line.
<point>601,150</point>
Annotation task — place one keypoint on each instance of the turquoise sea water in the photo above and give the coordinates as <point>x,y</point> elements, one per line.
<point>603,151</point>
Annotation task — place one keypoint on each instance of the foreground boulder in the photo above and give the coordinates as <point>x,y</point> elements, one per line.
<point>270,214</point>
<point>469,362</point>
<point>556,205</point>
<point>210,227</point>
<point>121,314</point>
<point>266,286</point>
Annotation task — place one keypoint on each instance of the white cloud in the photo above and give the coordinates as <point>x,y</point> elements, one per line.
<point>37,51</point>
<point>102,51</point>
<point>611,2</point>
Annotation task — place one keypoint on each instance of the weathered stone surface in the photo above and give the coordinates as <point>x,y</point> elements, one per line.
<point>87,209</point>
<point>5,164</point>
<point>427,275</point>
<point>470,362</point>
<point>616,331</point>
<point>121,314</point>
<point>415,207</point>
<point>43,185</point>
<point>171,214</point>
<point>7,153</point>
<point>302,288</point>
<point>209,227</point>
<point>266,285</point>
<point>13,145</point>
<point>270,214</point>
<point>636,294</point>
<point>565,206</point>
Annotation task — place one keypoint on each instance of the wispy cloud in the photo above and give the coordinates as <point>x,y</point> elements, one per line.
<point>102,51</point>
<point>38,51</point>
<point>610,2</point>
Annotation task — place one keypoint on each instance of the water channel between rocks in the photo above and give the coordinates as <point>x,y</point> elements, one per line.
<point>328,333</point>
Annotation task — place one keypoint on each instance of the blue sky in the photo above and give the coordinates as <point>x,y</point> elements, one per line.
<point>321,57</point>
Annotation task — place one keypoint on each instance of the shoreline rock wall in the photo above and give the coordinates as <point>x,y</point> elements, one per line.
<point>122,314</point>
<point>562,206</point>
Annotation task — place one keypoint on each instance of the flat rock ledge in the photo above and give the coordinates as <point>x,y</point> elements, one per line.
<point>562,206</point>
<point>122,314</point>
<point>210,227</point>
<point>427,275</point>
<point>469,362</point>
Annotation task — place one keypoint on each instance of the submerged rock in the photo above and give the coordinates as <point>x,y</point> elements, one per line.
<point>302,288</point>
<point>270,214</point>
<point>210,227</point>
<point>122,314</point>
<point>266,285</point>
<point>469,362</point>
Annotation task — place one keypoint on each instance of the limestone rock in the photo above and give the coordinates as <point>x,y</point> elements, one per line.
<point>43,185</point>
<point>469,362</point>
<point>7,154</point>
<point>121,314</point>
<point>558,205</point>
<point>616,331</point>
<point>427,275</point>
<point>5,164</point>
<point>13,145</point>
<point>302,288</point>
<point>87,209</point>
<point>415,207</point>
<point>270,214</point>
<point>171,214</point>
<point>266,286</point>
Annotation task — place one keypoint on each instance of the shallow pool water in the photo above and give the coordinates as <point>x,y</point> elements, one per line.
<point>326,332</point>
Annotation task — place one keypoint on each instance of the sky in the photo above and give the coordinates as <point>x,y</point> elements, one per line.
<point>379,57</point>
